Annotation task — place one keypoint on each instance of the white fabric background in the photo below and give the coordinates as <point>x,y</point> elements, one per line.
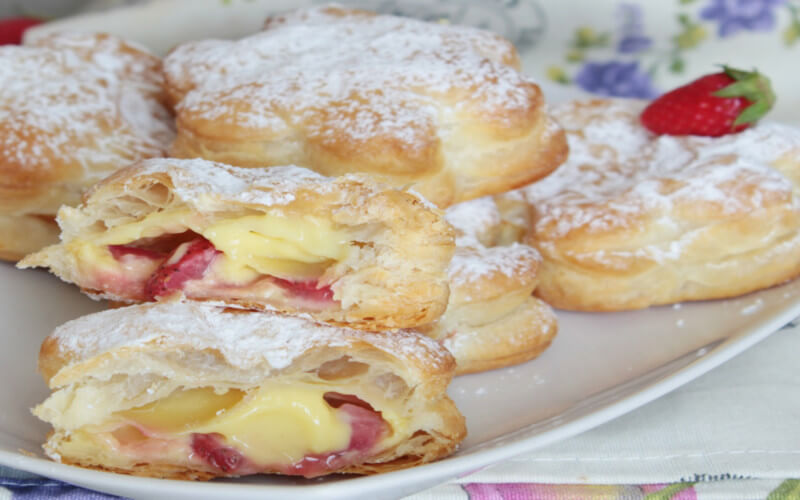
<point>741,420</point>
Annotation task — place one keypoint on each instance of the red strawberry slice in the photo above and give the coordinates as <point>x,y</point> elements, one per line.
<point>714,105</point>
<point>367,425</point>
<point>309,290</point>
<point>367,428</point>
<point>211,448</point>
<point>337,399</point>
<point>12,29</point>
<point>189,261</point>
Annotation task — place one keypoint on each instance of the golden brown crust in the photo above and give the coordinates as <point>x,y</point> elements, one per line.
<point>445,110</point>
<point>634,220</point>
<point>124,358</point>
<point>394,275</point>
<point>145,470</point>
<point>51,358</point>
<point>514,337</point>
<point>428,448</point>
<point>491,319</point>
<point>80,107</point>
<point>604,291</point>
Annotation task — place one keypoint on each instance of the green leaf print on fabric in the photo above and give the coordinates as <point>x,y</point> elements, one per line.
<point>691,35</point>
<point>673,491</point>
<point>788,490</point>
<point>629,41</point>
<point>792,32</point>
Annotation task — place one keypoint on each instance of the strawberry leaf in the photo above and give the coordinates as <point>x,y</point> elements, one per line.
<point>752,113</point>
<point>738,74</point>
<point>754,87</point>
<point>742,88</point>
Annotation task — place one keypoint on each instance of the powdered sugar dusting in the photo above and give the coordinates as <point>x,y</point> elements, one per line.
<point>245,339</point>
<point>88,100</point>
<point>355,76</point>
<point>471,265</point>
<point>471,219</point>
<point>618,175</point>
<point>476,257</point>
<point>202,180</point>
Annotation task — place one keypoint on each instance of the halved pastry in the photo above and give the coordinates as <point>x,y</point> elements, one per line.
<point>492,320</point>
<point>190,390</point>
<point>443,108</point>
<point>346,250</point>
<point>73,108</point>
<point>633,219</point>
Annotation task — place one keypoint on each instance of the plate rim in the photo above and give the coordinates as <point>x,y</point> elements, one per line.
<point>431,474</point>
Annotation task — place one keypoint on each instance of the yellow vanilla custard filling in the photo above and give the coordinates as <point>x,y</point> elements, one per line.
<point>275,244</point>
<point>279,246</point>
<point>274,424</point>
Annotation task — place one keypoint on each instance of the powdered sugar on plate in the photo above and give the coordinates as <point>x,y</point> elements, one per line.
<point>356,76</point>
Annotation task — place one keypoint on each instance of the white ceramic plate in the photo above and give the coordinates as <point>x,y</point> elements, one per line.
<point>599,367</point>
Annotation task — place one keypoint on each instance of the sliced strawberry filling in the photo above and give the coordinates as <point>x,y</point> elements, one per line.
<point>367,425</point>
<point>153,248</point>
<point>307,290</point>
<point>189,261</point>
<point>166,264</point>
<point>212,449</point>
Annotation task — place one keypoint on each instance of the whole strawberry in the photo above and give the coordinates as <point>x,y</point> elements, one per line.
<point>714,105</point>
<point>12,29</point>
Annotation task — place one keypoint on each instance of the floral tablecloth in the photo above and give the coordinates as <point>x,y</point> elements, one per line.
<point>16,487</point>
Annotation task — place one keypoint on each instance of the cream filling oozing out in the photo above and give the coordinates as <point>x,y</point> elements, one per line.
<point>288,246</point>
<point>272,426</point>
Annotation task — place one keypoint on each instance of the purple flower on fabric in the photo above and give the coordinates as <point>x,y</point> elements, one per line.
<point>615,79</point>
<point>634,43</point>
<point>534,491</point>
<point>736,15</point>
<point>632,37</point>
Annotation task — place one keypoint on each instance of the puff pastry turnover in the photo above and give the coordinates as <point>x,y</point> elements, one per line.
<point>632,220</point>
<point>190,390</point>
<point>337,90</point>
<point>492,319</point>
<point>73,108</point>
<point>345,250</point>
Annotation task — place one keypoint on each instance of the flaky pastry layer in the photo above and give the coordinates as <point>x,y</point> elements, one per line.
<point>633,220</point>
<point>346,250</point>
<point>492,320</point>
<point>112,372</point>
<point>73,108</point>
<point>443,108</point>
